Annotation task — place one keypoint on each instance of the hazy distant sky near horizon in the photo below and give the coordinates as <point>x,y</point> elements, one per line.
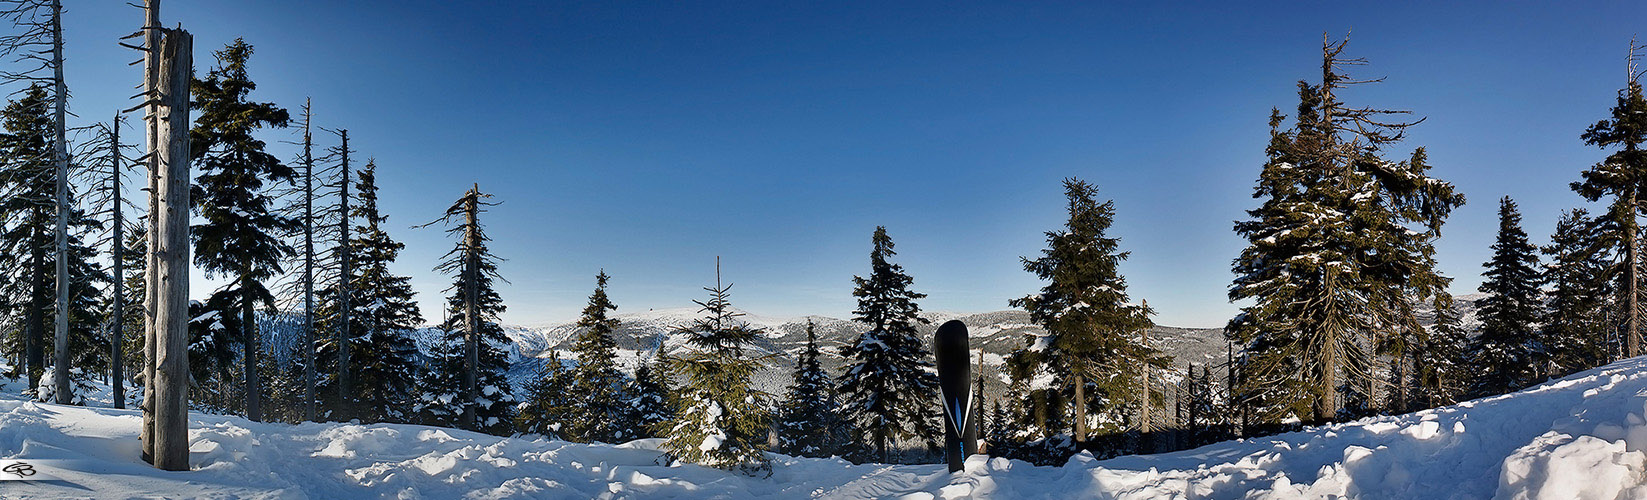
<point>646,138</point>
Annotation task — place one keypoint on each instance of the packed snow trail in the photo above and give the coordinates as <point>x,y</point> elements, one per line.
<point>1582,437</point>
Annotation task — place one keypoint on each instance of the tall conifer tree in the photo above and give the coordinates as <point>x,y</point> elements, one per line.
<point>888,389</point>
<point>808,425</point>
<point>1339,253</point>
<point>28,256</point>
<point>601,391</point>
<point>1506,353</point>
<point>1575,326</point>
<point>1094,328</point>
<point>384,315</point>
<point>1622,177</point>
<point>239,234</point>
<point>465,386</point>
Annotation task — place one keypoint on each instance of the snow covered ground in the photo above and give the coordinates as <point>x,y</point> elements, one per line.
<point>1583,437</point>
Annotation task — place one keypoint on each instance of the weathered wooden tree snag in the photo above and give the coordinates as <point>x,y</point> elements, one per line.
<point>60,157</point>
<point>308,268</point>
<point>471,311</point>
<point>1143,398</point>
<point>117,321</point>
<point>151,120</point>
<point>170,312</point>
<point>345,255</point>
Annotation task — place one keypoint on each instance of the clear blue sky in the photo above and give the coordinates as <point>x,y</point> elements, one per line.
<point>648,138</point>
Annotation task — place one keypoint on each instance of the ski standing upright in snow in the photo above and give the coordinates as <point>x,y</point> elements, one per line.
<point>954,363</point>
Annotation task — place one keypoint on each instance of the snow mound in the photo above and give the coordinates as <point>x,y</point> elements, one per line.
<point>1582,437</point>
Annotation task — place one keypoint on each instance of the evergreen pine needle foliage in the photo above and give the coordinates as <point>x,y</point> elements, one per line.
<point>28,258</point>
<point>652,400</point>
<point>1094,330</point>
<point>441,399</point>
<point>1441,366</point>
<point>888,388</point>
<point>1507,353</point>
<point>383,316</point>
<point>808,425</point>
<point>1340,251</point>
<point>1576,326</point>
<point>239,236</point>
<point>602,410</point>
<point>548,406</point>
<point>1621,178</point>
<point>722,420</point>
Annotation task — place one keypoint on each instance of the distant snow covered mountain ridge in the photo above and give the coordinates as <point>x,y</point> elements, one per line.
<point>641,334</point>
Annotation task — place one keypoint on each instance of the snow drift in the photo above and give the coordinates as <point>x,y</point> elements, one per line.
<point>1582,437</point>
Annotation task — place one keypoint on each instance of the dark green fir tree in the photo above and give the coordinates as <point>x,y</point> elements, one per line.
<point>652,405</point>
<point>238,236</point>
<point>384,315</point>
<point>888,388</point>
<point>721,419</point>
<point>1575,323</point>
<point>1095,342</point>
<point>1505,354</point>
<point>602,411</point>
<point>1621,179</point>
<point>1339,254</point>
<point>1441,371</point>
<point>808,425</point>
<point>549,405</point>
<point>465,384</point>
<point>28,186</point>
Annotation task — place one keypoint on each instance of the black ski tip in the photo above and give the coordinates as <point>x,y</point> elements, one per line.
<point>951,327</point>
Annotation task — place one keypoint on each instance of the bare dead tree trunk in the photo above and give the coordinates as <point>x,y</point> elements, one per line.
<point>471,311</point>
<point>1632,330</point>
<point>60,156</point>
<point>117,374</point>
<point>345,255</point>
<point>1080,410</point>
<point>251,345</point>
<point>308,268</point>
<point>171,317</point>
<point>1143,396</point>
<point>151,117</point>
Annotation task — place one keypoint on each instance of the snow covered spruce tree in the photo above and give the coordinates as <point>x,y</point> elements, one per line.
<point>1340,251</point>
<point>465,386</point>
<point>888,390</point>
<point>1441,371</point>
<point>721,418</point>
<point>214,329</point>
<point>1093,338</point>
<point>1507,354</point>
<point>601,407</point>
<point>808,425</point>
<point>1575,323</point>
<point>384,315</point>
<point>1622,177</point>
<point>548,407</point>
<point>239,234</point>
<point>28,257</point>
<point>652,405</point>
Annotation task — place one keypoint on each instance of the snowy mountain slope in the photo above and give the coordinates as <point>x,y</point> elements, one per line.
<point>1583,437</point>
